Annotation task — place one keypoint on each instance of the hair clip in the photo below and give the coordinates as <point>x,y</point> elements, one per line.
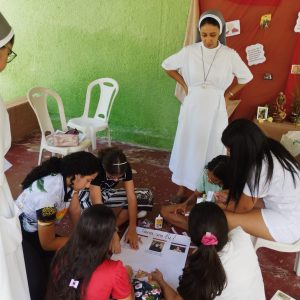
<point>209,239</point>
<point>74,283</point>
<point>119,164</point>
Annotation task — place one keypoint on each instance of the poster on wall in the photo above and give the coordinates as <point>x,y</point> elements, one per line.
<point>157,249</point>
<point>233,28</point>
<point>295,69</point>
<point>255,54</point>
<point>297,26</point>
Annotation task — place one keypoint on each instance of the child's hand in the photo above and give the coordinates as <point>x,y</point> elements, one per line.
<point>157,276</point>
<point>132,238</point>
<point>180,209</point>
<point>115,246</point>
<point>221,196</point>
<point>129,271</point>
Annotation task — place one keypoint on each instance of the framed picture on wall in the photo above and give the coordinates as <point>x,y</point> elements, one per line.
<point>262,113</point>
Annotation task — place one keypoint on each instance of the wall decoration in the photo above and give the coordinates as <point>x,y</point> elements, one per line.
<point>233,28</point>
<point>295,69</point>
<point>262,113</point>
<point>268,76</point>
<point>297,26</point>
<point>255,54</point>
<point>265,21</point>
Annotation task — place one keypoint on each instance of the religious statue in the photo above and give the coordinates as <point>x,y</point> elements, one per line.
<point>279,113</point>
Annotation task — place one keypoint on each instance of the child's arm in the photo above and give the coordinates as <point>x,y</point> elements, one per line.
<point>169,293</point>
<point>48,240</point>
<point>96,194</point>
<point>131,235</point>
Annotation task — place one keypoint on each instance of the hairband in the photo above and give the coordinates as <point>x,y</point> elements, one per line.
<point>119,164</point>
<point>209,239</point>
<point>74,283</point>
<point>214,17</point>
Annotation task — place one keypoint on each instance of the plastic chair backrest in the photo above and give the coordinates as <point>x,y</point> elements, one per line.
<point>38,99</point>
<point>109,89</point>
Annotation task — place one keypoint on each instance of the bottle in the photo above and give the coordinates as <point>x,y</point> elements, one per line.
<point>158,222</point>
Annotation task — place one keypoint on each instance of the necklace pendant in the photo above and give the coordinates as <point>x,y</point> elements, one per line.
<point>204,85</point>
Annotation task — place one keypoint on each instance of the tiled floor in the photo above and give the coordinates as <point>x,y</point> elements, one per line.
<point>152,171</point>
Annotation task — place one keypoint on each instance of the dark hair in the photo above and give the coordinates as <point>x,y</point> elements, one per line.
<point>86,249</point>
<point>210,21</point>
<point>204,278</point>
<point>219,167</point>
<point>113,161</point>
<point>248,147</point>
<point>78,163</point>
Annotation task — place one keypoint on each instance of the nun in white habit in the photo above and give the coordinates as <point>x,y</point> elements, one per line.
<point>13,280</point>
<point>205,70</point>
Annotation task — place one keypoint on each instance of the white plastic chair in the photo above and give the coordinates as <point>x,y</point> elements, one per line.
<point>38,99</point>
<point>259,242</point>
<point>109,89</point>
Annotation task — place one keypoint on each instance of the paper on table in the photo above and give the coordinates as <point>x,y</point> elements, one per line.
<point>231,106</point>
<point>158,249</point>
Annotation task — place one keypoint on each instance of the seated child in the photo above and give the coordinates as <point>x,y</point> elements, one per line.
<point>213,180</point>
<point>223,266</point>
<point>82,269</point>
<point>113,168</point>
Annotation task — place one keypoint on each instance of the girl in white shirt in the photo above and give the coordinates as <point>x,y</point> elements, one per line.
<point>224,266</point>
<point>264,189</point>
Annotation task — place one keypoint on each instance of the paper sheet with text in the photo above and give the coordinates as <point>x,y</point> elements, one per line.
<point>158,249</point>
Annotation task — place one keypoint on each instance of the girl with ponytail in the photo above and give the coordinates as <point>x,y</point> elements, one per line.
<point>44,201</point>
<point>224,264</point>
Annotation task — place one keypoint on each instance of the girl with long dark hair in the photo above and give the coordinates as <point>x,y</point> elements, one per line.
<point>45,199</point>
<point>114,168</point>
<point>224,264</point>
<point>264,190</point>
<point>82,269</point>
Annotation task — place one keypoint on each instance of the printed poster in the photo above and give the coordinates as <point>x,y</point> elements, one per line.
<point>162,250</point>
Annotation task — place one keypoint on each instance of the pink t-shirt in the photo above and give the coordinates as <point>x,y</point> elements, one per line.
<point>109,279</point>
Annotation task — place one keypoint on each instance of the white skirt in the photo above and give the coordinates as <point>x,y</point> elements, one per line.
<point>201,122</point>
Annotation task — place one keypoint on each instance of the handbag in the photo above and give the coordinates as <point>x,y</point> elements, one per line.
<point>66,139</point>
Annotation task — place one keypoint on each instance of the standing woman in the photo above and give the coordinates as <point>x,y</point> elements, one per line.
<point>206,69</point>
<point>43,203</point>
<point>264,187</point>
<point>13,283</point>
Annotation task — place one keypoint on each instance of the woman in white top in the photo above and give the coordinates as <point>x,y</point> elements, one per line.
<point>206,69</point>
<point>264,190</point>
<point>224,266</point>
<point>13,283</point>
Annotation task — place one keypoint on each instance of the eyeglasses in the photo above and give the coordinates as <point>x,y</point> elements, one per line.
<point>11,55</point>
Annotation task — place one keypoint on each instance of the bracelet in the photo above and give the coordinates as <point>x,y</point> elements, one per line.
<point>230,93</point>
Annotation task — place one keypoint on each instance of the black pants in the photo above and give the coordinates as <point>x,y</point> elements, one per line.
<point>37,263</point>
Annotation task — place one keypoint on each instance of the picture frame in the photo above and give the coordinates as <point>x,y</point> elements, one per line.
<point>262,113</point>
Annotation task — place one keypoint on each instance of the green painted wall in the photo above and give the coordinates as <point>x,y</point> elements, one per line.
<point>64,45</point>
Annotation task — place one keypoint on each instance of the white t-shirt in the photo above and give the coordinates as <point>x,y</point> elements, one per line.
<point>244,278</point>
<point>43,200</point>
<point>282,202</point>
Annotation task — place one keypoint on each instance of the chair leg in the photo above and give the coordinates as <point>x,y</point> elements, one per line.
<point>108,137</point>
<point>40,155</point>
<point>297,264</point>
